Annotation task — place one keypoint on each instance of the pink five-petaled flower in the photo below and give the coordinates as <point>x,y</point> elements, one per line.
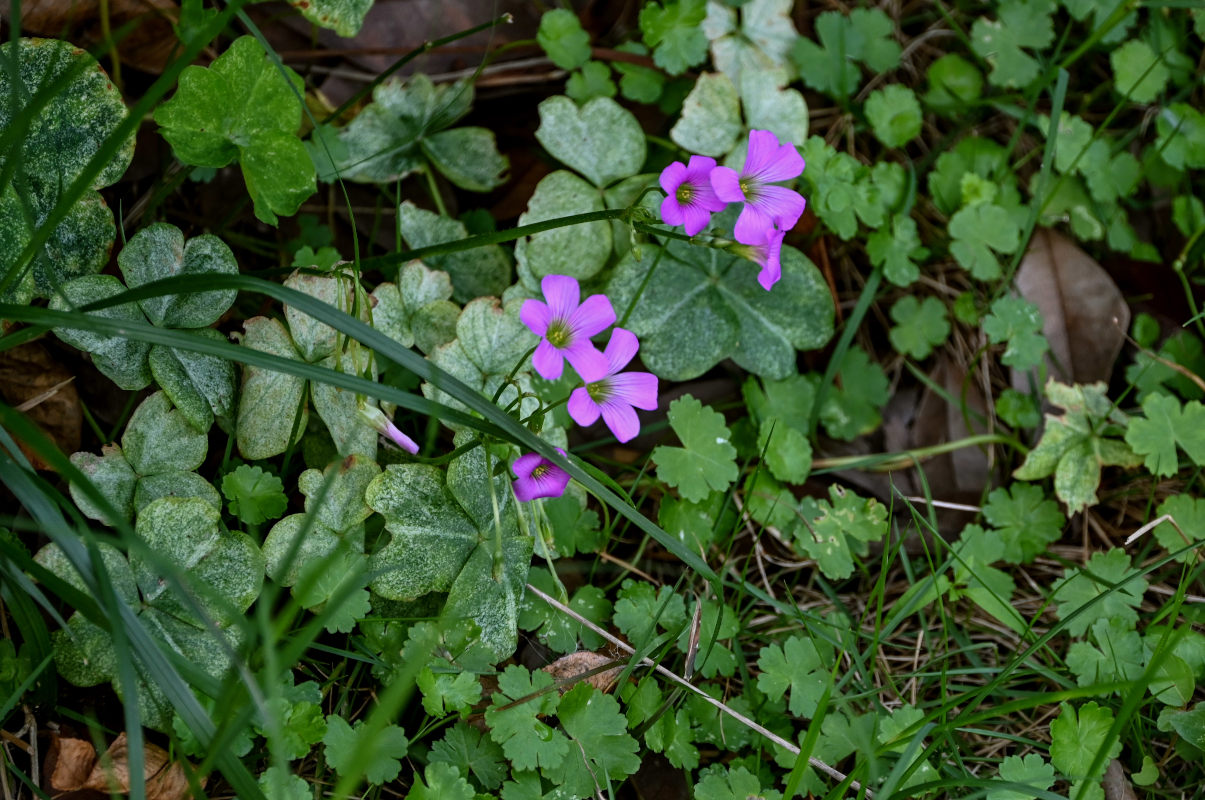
<point>766,255</point>
<point>565,327</point>
<point>689,199</point>
<point>377,419</point>
<point>613,395</point>
<point>766,207</point>
<point>536,476</point>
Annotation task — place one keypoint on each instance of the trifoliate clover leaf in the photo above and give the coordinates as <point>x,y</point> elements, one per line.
<point>760,44</point>
<point>1098,589</point>
<point>797,665</point>
<point>1138,72</point>
<point>381,752</point>
<point>979,230</point>
<point>244,108</point>
<point>639,610</point>
<point>253,495</point>
<point>441,782</point>
<point>324,258</point>
<point>1025,521</point>
<point>1030,770</point>
<point>1166,425</point>
<point>638,83</point>
<point>711,116</point>
<point>834,532</point>
<point>563,39</point>
<point>592,80</point>
<point>719,783</point>
<point>897,250</point>
<point>1080,739</point>
<point>1022,25</point>
<point>1189,514</point>
<point>853,409</point>
<point>864,35</point>
<point>920,327</point>
<point>601,139</point>
<point>445,693</point>
<point>600,749</point>
<point>514,719</point>
<point>894,114</point>
<point>1018,322</point>
<point>472,752</point>
<point>707,460</point>
<point>673,30</point>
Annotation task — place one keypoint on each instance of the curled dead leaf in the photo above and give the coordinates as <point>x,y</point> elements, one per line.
<point>77,768</point>
<point>569,669</point>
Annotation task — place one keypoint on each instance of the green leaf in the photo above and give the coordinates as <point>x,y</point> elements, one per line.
<point>346,744</point>
<point>122,359</point>
<point>1030,770</point>
<point>417,310</point>
<point>472,752</point>
<point>1017,409</point>
<point>277,783</point>
<point>479,272</point>
<point>1189,514</point>
<point>159,251</point>
<point>672,29</point>
<point>711,116</point>
<point>1097,579</point>
<point>1022,25</point>
<point>514,719</point>
<point>864,35</point>
<point>1018,322</point>
<point>440,782</point>
<point>254,496</point>
<point>563,39</point>
<point>770,107</point>
<point>1138,72</point>
<point>640,84</point>
<point>897,250</point>
<point>468,157</point>
<point>702,305</point>
<point>953,83</point>
<point>707,460</point>
<point>592,80</point>
<point>853,409</point>
<point>159,439</point>
<point>717,622</point>
<point>560,631</point>
<point>894,114</point>
<point>1181,141</point>
<point>1080,737</point>
<point>344,17</point>
<point>719,783</point>
<point>201,386</point>
<point>111,475</point>
<point>920,326</point>
<point>798,665</point>
<point>272,412</point>
<point>600,748</point>
<point>244,108</point>
<point>579,251</point>
<point>1025,521</point>
<point>787,452</point>
<point>639,609</point>
<point>840,529</point>
<point>1168,423</point>
<point>1116,655</point>
<point>445,693</point>
<point>602,140</point>
<point>977,231</point>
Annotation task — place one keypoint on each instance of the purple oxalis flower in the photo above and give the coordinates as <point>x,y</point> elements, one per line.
<point>766,207</point>
<point>536,476</point>
<point>689,199</point>
<point>612,395</point>
<point>565,327</point>
<point>377,419</point>
<point>766,255</point>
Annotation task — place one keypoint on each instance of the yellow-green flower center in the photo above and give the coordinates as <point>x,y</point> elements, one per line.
<point>598,391</point>
<point>685,193</point>
<point>540,471</point>
<point>558,334</point>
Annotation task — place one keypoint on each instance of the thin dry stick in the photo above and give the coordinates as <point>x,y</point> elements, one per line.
<point>835,774</point>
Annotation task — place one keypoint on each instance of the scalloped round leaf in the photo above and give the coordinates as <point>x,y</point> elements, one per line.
<point>711,116</point>
<point>490,599</point>
<point>160,439</point>
<point>269,401</point>
<point>579,251</point>
<point>67,132</point>
<point>602,140</point>
<point>344,17</point>
<point>201,386</point>
<point>174,484</point>
<point>124,360</point>
<point>159,251</point>
<point>479,272</point>
<point>112,476</point>
<point>468,157</point>
<point>703,305</point>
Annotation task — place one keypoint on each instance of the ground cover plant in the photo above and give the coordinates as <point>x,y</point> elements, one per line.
<point>680,399</point>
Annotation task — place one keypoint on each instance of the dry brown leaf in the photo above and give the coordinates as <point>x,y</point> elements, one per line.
<point>29,374</point>
<point>74,762</point>
<point>1079,303</point>
<point>147,47</point>
<point>1117,785</point>
<point>77,768</point>
<point>568,668</point>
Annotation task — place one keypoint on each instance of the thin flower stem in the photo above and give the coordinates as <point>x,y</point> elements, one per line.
<point>433,190</point>
<point>886,462</point>
<point>518,365</point>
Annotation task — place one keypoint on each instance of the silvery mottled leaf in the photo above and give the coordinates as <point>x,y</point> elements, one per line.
<point>762,44</point>
<point>174,484</point>
<point>121,577</point>
<point>343,506</point>
<point>124,360</point>
<point>398,304</point>
<point>703,305</point>
<point>112,476</point>
<point>435,324</point>
<point>201,386</point>
<point>579,251</point>
<point>783,112</point>
<point>79,246</point>
<point>269,401</point>
<point>339,408</point>
<point>160,439</point>
<point>196,645</point>
<point>489,599</point>
<point>344,17</point>
<point>159,251</point>
<point>313,339</point>
<point>83,652</point>
<point>602,140</point>
<point>479,272</point>
<point>468,157</point>
<point>711,117</point>
<point>469,481</point>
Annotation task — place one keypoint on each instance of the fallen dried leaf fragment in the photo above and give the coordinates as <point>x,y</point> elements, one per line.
<point>77,768</point>
<point>569,667</point>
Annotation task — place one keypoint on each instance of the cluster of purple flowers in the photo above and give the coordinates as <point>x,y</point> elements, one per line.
<point>695,191</point>
<point>565,323</point>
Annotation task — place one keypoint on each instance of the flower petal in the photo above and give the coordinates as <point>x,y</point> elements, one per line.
<point>673,175</point>
<point>672,212</point>
<point>784,164</point>
<point>753,226</point>
<point>536,316</point>
<point>621,419</point>
<point>548,361</point>
<point>562,293</point>
<point>727,185</point>
<point>694,218</point>
<point>635,388</point>
<point>551,484</point>
<point>592,317</point>
<point>782,204</point>
<point>762,150</point>
<point>525,463</point>
<point>582,407</point>
<point>401,440</point>
<point>590,364</point>
<point>621,349</point>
